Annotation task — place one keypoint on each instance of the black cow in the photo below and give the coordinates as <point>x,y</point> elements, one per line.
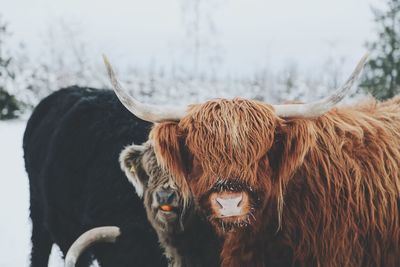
<point>71,144</point>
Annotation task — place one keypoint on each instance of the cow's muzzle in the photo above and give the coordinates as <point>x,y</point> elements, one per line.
<point>166,204</point>
<point>230,204</point>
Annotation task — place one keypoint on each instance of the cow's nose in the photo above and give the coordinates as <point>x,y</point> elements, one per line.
<point>165,197</point>
<point>229,204</point>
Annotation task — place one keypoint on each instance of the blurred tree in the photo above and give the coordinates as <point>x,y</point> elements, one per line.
<point>9,105</point>
<point>200,21</point>
<point>382,77</point>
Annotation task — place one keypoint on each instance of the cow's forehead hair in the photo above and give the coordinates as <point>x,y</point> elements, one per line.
<point>229,135</point>
<point>158,176</point>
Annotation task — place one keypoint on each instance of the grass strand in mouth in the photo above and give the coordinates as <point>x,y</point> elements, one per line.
<point>167,208</point>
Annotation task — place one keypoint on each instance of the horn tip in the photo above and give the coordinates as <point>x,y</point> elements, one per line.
<point>105,59</point>
<point>109,68</point>
<point>365,58</point>
<point>106,62</point>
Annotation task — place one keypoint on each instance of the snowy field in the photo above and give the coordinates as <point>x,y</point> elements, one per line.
<point>15,226</point>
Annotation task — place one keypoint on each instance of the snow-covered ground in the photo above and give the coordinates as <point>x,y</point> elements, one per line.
<point>15,224</point>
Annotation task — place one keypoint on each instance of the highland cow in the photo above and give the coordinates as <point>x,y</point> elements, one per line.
<point>183,232</point>
<point>186,237</point>
<point>288,185</point>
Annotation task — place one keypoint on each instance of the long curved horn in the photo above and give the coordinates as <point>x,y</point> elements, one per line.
<point>320,107</point>
<point>143,111</point>
<point>99,234</point>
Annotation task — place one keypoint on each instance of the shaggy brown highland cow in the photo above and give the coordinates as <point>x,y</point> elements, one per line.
<point>289,185</point>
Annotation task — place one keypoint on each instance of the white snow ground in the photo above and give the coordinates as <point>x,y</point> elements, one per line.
<point>15,225</point>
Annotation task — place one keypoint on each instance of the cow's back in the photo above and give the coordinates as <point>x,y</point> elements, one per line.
<point>71,144</point>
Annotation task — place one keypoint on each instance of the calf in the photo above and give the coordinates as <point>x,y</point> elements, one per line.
<point>183,233</point>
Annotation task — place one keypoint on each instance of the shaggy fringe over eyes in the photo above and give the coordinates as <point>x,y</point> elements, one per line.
<point>168,151</point>
<point>229,137</point>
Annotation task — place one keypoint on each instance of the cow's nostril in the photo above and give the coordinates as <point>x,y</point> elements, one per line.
<point>240,201</point>
<point>165,197</point>
<point>219,204</point>
<point>171,197</point>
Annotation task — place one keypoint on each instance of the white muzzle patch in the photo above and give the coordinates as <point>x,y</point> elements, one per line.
<point>230,206</point>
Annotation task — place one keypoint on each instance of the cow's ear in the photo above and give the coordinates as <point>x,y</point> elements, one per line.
<point>293,140</point>
<point>130,161</point>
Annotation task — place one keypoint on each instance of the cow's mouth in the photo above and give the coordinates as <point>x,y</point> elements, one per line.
<point>166,204</point>
<point>167,208</point>
<point>167,213</point>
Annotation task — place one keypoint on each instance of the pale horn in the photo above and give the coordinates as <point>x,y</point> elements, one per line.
<point>107,234</point>
<point>320,107</point>
<point>151,113</point>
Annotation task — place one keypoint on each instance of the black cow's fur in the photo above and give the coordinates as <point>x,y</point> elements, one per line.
<point>72,143</point>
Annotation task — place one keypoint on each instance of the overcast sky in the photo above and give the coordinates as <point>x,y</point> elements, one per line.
<point>250,34</point>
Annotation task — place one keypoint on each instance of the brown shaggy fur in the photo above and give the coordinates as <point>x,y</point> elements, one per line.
<point>329,187</point>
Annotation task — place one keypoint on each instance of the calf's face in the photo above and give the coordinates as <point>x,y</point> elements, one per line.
<point>165,205</point>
